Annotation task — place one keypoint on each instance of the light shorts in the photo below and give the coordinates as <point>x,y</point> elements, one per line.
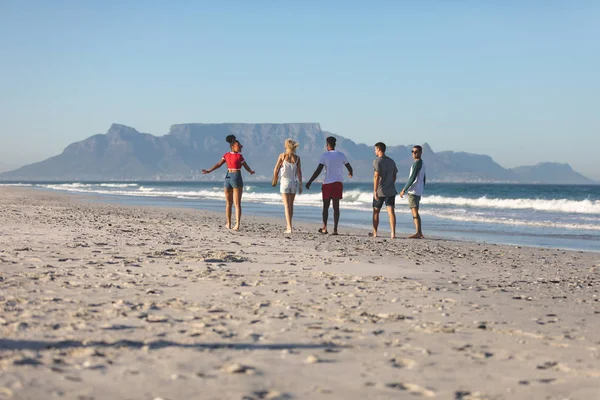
<point>288,186</point>
<point>413,201</point>
<point>233,180</point>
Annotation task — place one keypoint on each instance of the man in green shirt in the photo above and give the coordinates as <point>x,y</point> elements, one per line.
<point>415,187</point>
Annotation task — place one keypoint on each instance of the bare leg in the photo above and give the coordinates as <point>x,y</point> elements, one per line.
<point>325,213</point>
<point>336,215</point>
<point>286,207</point>
<point>375,220</point>
<point>228,203</point>
<point>392,215</point>
<point>417,221</point>
<point>291,197</point>
<point>237,201</point>
<point>291,201</point>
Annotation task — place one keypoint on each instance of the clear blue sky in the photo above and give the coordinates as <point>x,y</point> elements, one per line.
<point>518,80</point>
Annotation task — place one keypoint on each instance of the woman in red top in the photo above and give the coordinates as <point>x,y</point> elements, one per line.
<point>234,185</point>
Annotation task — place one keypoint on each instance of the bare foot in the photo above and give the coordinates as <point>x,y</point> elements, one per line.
<point>289,230</point>
<point>416,236</point>
<point>373,234</point>
<point>393,236</point>
<point>228,226</point>
<point>236,228</point>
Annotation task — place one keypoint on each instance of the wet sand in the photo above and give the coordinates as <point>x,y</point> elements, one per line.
<point>100,301</point>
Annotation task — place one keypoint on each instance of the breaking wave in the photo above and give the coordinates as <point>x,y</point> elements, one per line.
<point>553,205</point>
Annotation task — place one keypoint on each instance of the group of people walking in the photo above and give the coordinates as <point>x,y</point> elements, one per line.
<point>288,173</point>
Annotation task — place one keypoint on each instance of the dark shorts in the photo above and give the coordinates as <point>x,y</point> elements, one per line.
<point>332,190</point>
<point>233,180</point>
<point>389,202</point>
<point>413,201</point>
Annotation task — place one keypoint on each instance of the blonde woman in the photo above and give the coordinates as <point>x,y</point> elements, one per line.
<point>289,172</point>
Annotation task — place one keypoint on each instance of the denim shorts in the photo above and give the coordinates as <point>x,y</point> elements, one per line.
<point>233,180</point>
<point>389,202</point>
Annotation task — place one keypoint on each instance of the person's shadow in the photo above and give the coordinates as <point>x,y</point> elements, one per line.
<point>19,344</point>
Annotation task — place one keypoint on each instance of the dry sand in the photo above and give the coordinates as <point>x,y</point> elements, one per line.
<point>102,301</point>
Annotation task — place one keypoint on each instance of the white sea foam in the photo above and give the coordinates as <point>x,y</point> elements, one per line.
<point>141,192</point>
<point>64,186</point>
<point>513,221</point>
<point>554,205</point>
<point>118,185</point>
<point>16,184</point>
<point>356,196</point>
<point>353,199</point>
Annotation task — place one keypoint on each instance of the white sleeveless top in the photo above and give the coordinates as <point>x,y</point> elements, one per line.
<point>288,170</point>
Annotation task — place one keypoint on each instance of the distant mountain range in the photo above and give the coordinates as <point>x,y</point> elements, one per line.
<point>126,154</point>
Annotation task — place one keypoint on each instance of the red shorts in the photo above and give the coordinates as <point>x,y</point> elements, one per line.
<point>332,190</point>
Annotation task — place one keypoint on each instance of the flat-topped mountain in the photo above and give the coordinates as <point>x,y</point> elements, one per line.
<point>123,153</point>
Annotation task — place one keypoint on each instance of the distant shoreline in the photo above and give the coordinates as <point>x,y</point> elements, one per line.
<point>547,216</point>
<point>247,179</point>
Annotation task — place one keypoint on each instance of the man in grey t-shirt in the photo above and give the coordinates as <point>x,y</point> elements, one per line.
<point>384,187</point>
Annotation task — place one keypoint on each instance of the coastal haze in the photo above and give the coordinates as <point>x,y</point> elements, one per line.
<point>123,153</point>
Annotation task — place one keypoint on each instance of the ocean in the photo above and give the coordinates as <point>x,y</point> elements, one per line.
<point>551,216</point>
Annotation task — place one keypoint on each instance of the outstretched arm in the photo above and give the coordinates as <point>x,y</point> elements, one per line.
<point>217,165</point>
<point>245,165</point>
<point>315,175</point>
<point>349,167</point>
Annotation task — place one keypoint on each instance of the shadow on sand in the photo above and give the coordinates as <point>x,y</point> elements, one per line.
<point>15,344</point>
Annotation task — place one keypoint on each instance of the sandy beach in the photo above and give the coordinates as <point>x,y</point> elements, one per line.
<point>101,301</point>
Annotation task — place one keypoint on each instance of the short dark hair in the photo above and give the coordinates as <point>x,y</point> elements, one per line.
<point>418,148</point>
<point>331,141</point>
<point>381,146</point>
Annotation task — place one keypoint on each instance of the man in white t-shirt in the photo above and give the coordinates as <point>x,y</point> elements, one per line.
<point>334,162</point>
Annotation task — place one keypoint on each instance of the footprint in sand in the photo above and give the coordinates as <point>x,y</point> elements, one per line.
<point>403,363</point>
<point>237,368</point>
<point>412,388</point>
<point>267,394</point>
